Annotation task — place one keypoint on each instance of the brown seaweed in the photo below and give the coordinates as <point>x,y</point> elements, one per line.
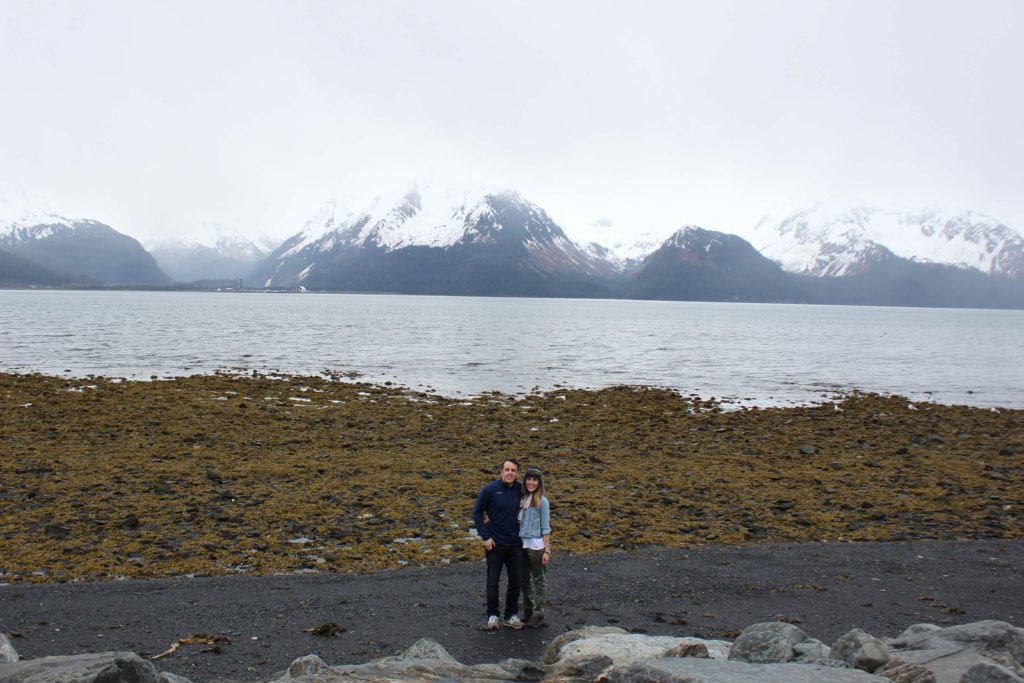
<point>219,474</point>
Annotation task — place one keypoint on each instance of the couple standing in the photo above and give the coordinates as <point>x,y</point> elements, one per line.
<point>514,522</point>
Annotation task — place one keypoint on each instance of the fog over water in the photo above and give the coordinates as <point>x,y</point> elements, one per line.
<point>758,354</point>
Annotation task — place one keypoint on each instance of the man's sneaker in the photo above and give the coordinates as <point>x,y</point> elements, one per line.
<point>493,623</point>
<point>536,620</point>
<point>514,622</point>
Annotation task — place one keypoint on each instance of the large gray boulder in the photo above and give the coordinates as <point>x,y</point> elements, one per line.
<point>768,642</point>
<point>554,649</point>
<point>939,665</point>
<point>812,650</point>
<point>987,649</point>
<point>625,648</point>
<point>996,640</point>
<point>584,668</point>
<point>99,667</point>
<point>306,666</point>
<point>426,660</point>
<point>7,652</point>
<point>860,650</point>
<point>917,630</point>
<point>990,672</point>
<point>718,671</point>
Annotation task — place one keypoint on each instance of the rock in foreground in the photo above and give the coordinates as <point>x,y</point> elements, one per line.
<point>97,667</point>
<point>770,652</point>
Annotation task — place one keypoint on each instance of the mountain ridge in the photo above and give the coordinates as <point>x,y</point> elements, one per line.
<point>830,241</point>
<point>85,250</point>
<point>219,256</point>
<point>52,249</point>
<point>427,240</point>
<point>707,265</point>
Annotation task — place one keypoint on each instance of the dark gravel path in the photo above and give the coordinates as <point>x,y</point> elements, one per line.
<point>709,591</point>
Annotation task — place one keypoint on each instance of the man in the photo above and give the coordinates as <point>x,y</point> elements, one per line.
<point>496,515</point>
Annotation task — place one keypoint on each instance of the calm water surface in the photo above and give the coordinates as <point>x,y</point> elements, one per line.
<point>755,353</point>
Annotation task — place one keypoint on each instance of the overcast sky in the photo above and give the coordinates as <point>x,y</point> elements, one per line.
<point>163,118</point>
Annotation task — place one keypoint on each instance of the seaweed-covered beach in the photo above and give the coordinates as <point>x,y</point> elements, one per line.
<point>246,511</point>
<point>225,474</point>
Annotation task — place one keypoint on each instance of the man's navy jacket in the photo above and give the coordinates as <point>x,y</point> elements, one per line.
<point>501,505</point>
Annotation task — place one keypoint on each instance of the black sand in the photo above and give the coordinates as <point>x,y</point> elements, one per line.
<point>707,591</point>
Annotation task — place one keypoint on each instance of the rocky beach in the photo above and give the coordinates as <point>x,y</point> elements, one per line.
<point>260,480</point>
<point>252,628</point>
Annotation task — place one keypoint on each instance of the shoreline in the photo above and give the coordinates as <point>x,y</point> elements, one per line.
<point>709,591</point>
<point>822,395</point>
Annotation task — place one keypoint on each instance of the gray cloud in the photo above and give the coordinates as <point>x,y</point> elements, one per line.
<point>160,117</point>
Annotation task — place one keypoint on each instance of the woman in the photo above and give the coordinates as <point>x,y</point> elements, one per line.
<point>535,530</point>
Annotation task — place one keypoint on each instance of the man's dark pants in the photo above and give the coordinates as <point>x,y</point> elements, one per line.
<point>510,557</point>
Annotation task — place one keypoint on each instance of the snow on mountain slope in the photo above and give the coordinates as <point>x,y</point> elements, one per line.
<point>215,254</point>
<point>220,242</point>
<point>634,247</point>
<point>332,215</point>
<point>969,238</point>
<point>623,246</point>
<point>418,216</point>
<point>830,241</point>
<point>421,217</point>
<point>24,218</point>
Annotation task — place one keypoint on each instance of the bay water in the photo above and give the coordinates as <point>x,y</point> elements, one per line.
<point>750,354</point>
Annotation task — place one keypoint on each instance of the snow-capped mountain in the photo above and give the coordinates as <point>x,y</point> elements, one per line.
<point>436,241</point>
<point>825,241</point>
<point>218,255</point>
<point>696,264</point>
<point>620,245</point>
<point>625,254</point>
<point>24,218</point>
<point>634,248</point>
<point>72,249</point>
<point>418,216</point>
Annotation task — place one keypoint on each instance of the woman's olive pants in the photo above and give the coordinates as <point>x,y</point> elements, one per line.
<point>534,589</point>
